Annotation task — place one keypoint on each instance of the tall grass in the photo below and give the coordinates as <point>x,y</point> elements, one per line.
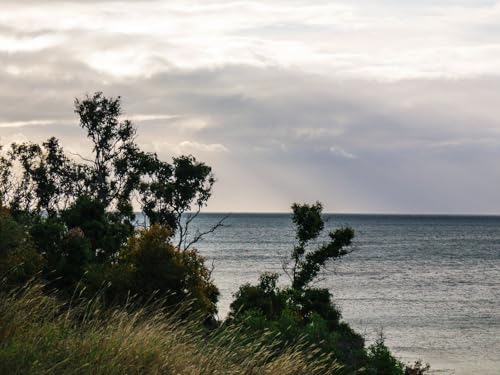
<point>41,335</point>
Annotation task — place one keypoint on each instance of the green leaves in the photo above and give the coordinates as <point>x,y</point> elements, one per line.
<point>307,263</point>
<point>308,221</point>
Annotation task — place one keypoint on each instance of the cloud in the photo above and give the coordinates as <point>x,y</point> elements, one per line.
<point>14,44</point>
<point>189,146</point>
<point>341,152</point>
<point>368,106</point>
<point>381,40</point>
<point>398,132</point>
<point>20,124</point>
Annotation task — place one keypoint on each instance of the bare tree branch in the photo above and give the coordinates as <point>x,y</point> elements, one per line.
<point>81,157</point>
<point>200,235</point>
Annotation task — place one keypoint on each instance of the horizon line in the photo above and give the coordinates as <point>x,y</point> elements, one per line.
<point>351,213</point>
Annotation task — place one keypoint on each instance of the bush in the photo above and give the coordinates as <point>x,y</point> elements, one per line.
<point>294,315</point>
<point>417,368</point>
<point>75,242</point>
<point>381,361</point>
<point>105,232</point>
<point>149,266</point>
<point>19,260</point>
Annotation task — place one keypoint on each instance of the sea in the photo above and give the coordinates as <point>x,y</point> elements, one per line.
<point>429,284</point>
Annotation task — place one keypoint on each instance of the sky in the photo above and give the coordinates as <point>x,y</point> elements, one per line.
<point>389,106</point>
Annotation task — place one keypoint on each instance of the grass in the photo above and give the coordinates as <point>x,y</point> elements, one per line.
<point>41,335</point>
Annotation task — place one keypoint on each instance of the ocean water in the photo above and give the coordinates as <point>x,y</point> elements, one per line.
<point>431,284</point>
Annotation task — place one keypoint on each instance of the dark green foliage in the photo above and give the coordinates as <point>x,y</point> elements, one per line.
<point>308,221</point>
<point>149,265</point>
<point>74,258</point>
<point>84,234</point>
<point>105,232</point>
<point>19,260</point>
<point>67,253</point>
<point>292,315</point>
<point>48,235</point>
<point>264,298</point>
<point>308,226</point>
<point>417,368</point>
<point>318,301</point>
<point>381,361</point>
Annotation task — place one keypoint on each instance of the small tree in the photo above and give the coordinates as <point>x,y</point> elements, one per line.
<point>113,142</point>
<point>381,361</point>
<point>306,263</point>
<point>300,310</point>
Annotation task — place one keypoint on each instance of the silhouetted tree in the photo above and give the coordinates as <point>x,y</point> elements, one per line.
<point>300,310</point>
<point>306,263</point>
<point>75,214</point>
<point>42,179</point>
<point>113,141</point>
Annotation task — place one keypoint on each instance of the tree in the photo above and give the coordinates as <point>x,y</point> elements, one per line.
<point>43,179</point>
<point>113,142</point>
<point>299,310</point>
<point>381,361</point>
<point>79,211</point>
<point>308,226</point>
<point>46,181</point>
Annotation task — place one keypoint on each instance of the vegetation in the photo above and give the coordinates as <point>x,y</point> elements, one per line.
<point>113,298</point>
<point>73,222</point>
<point>305,312</point>
<point>40,335</point>
<point>149,265</point>
<point>19,261</point>
<point>42,179</point>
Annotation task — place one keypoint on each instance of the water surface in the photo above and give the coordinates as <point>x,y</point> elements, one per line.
<point>429,283</point>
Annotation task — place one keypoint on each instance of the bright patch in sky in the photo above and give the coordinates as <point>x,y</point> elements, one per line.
<point>366,105</point>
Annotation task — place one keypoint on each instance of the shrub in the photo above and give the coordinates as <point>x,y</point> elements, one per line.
<point>19,260</point>
<point>105,232</point>
<point>381,361</point>
<point>294,315</point>
<point>149,266</point>
<point>417,368</point>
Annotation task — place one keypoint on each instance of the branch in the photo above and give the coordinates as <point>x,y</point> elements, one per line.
<point>200,235</point>
<point>211,270</point>
<point>185,230</point>
<point>81,157</point>
<point>284,266</point>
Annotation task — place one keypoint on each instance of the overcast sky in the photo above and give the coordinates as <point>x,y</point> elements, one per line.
<point>368,106</point>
